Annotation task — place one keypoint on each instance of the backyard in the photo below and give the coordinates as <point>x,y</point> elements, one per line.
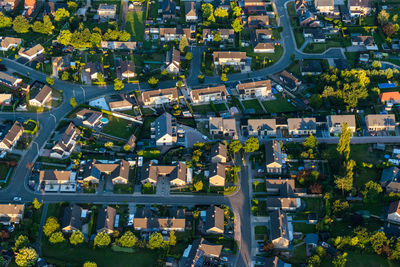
<point>135,25</point>
<point>119,127</point>
<point>279,105</point>
<point>253,104</point>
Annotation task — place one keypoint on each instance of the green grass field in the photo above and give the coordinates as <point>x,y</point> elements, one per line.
<point>253,104</point>
<point>3,170</point>
<point>118,127</point>
<point>135,25</point>
<point>278,105</point>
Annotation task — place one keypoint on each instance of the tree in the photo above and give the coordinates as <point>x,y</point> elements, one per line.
<point>251,145</point>
<point>236,10</point>
<point>340,260</point>
<point>72,5</point>
<point>234,146</point>
<point>102,239</point>
<point>371,192</point>
<point>5,22</point>
<point>3,261</point>
<point>56,237</point>
<point>208,13</point>
<point>128,240</point>
<point>172,238</point>
<point>26,257</point>
<point>100,77</point>
<point>90,264</point>
<point>50,226</point>
<point>316,101</point>
<point>76,238</point>
<point>179,84</point>
<point>198,186</point>
<point>343,146</point>
<point>152,82</point>
<point>376,64</point>
<point>21,24</point>
<point>48,26</point>
<point>224,78</point>
<point>50,81</point>
<point>64,37</point>
<point>21,242</point>
<point>346,183</point>
<point>109,145</point>
<point>339,206</point>
<point>221,13</point>
<point>389,29</point>
<point>183,43</point>
<point>237,25</point>
<point>72,102</point>
<point>36,204</point>
<point>313,261</point>
<point>61,14</point>
<point>127,147</point>
<point>156,241</point>
<point>118,85</point>
<point>310,142</point>
<point>383,17</point>
<point>65,76</point>
<point>188,56</point>
<point>256,183</point>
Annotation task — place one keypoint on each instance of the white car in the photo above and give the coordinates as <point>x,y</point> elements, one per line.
<point>18,199</point>
<point>279,88</point>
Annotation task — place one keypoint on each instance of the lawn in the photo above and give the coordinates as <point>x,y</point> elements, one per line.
<point>260,188</point>
<point>299,255</point>
<point>304,228</point>
<point>202,108</point>
<point>319,48</point>
<point>352,58</point>
<point>260,230</point>
<point>298,36</point>
<point>312,204</point>
<point>135,25</point>
<point>118,127</point>
<point>355,259</point>
<point>253,104</point>
<point>3,170</point>
<point>220,107</point>
<point>278,105</point>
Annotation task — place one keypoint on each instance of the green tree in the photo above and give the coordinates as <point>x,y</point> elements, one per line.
<point>208,13</point>
<point>50,226</point>
<point>100,77</point>
<point>36,204</point>
<point>56,237</point>
<point>314,261</point>
<point>152,82</point>
<point>234,146</point>
<point>3,261</point>
<point>5,22</point>
<point>21,242</point>
<point>128,240</point>
<point>48,26</point>
<point>179,84</point>
<point>236,10</point>
<point>343,146</point>
<point>72,5</point>
<point>76,238</point>
<point>310,142</point>
<point>21,24</point>
<point>383,17</point>
<point>376,64</point>
<point>64,37</point>
<point>118,85</point>
<point>127,147</point>
<point>89,264</point>
<point>256,183</point>
<point>183,43</point>
<point>61,14</point>
<point>188,56</point>
<point>109,145</point>
<point>346,183</point>
<point>198,186</point>
<point>371,192</point>
<point>156,241</point>
<point>73,102</point>
<point>172,238</point>
<point>65,76</point>
<point>26,257</point>
<point>237,26</point>
<point>221,13</point>
<point>216,36</point>
<point>251,145</point>
<point>340,206</point>
<point>50,81</point>
<point>224,78</point>
<point>316,101</point>
<point>102,239</point>
<point>340,260</point>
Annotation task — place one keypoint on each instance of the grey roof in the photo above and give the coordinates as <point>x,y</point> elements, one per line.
<point>311,238</point>
<point>106,219</point>
<point>274,262</point>
<point>215,218</point>
<point>391,174</point>
<point>279,224</point>
<point>200,253</point>
<point>219,149</point>
<point>310,66</point>
<point>72,217</point>
<point>168,7</point>
<point>164,125</point>
<point>286,187</point>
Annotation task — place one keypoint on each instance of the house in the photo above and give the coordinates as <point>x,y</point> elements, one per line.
<point>67,143</point>
<point>8,5</point>
<point>229,58</point>
<point>390,179</point>
<point>301,5</point>
<point>284,203</point>
<point>55,177</point>
<point>50,8</point>
<point>279,230</point>
<point>171,34</point>
<point>390,97</point>
<point>12,137</point>
<point>177,174</point>
<point>72,219</point>
<point>312,218</point>
<point>201,253</point>
<point>262,35</point>
<point>380,122</point>
<point>365,41</point>
<point>264,48</point>
<point>226,35</point>
<point>43,96</point>
<point>6,99</point>
<point>302,126</point>
<point>222,126</point>
<point>325,7</point>
<point>259,127</point>
<point>120,105</point>
<point>60,64</point>
<point>29,6</point>
<point>260,21</point>
<point>126,69</point>
<point>311,243</point>
<point>118,172</point>
<point>315,34</point>
<point>359,7</point>
<point>106,220</point>
<point>218,153</point>
<point>336,122</point>
<point>393,213</point>
<point>131,142</point>
<point>217,174</point>
<point>32,52</point>
<point>275,262</point>
<point>147,220</point>
<point>7,42</point>
<point>191,12</point>
<point>168,9</point>
<point>114,45</point>
<point>261,89</point>
<point>90,118</point>
<point>209,94</point>
<point>308,19</point>
<point>289,80</point>
<point>164,128</point>
<point>281,187</point>
<point>173,61</point>
<point>92,71</point>
<point>11,213</point>
<point>257,7</point>
<point>160,96</point>
<point>342,64</point>
<point>310,67</point>
<point>10,81</point>
<point>214,223</point>
<point>275,159</point>
<point>106,12</point>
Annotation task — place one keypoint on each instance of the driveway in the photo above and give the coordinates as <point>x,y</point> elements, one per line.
<point>162,188</point>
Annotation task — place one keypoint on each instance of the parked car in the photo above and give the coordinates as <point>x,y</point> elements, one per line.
<point>17,199</point>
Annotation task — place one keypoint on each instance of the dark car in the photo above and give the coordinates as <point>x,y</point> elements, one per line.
<point>3,67</point>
